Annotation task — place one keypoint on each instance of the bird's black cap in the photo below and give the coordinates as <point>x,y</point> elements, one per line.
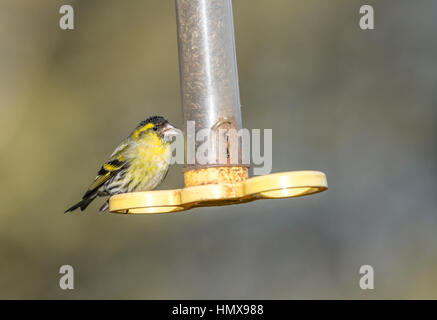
<point>156,120</point>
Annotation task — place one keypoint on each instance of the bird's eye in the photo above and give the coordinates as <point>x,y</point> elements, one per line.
<point>155,129</point>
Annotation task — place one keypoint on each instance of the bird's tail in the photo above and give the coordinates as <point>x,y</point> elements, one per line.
<point>82,204</point>
<point>105,206</point>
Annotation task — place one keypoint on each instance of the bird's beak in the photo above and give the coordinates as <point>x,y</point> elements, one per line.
<point>170,131</point>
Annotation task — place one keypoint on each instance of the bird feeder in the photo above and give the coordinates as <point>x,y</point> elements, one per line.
<point>211,102</point>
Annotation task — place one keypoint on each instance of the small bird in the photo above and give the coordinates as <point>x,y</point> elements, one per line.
<point>139,163</point>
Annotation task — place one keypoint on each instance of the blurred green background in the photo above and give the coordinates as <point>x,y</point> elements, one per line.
<point>358,105</point>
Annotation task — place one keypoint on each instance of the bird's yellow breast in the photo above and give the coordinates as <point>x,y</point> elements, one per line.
<point>150,158</point>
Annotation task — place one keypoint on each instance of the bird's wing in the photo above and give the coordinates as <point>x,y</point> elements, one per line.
<point>120,150</point>
<point>110,168</point>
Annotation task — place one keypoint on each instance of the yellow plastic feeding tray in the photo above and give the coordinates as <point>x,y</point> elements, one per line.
<point>271,186</point>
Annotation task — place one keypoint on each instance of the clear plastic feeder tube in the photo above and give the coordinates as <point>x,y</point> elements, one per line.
<point>208,68</point>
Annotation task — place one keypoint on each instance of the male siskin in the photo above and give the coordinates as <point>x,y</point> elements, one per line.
<point>139,163</point>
